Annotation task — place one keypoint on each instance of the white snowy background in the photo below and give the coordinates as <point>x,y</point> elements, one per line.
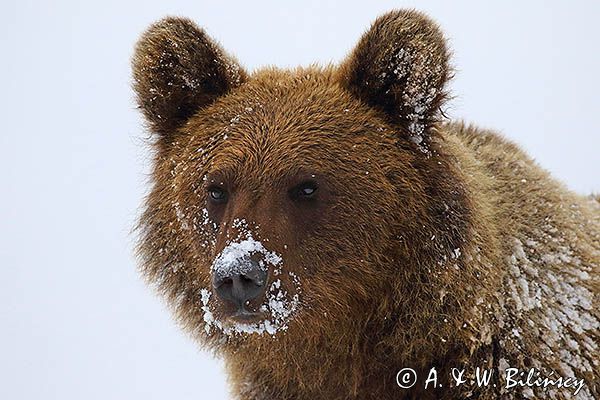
<point>76,321</point>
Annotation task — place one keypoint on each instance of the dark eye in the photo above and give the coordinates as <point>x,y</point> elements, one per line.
<point>305,190</point>
<point>217,195</point>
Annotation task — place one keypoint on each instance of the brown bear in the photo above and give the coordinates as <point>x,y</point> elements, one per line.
<point>329,234</point>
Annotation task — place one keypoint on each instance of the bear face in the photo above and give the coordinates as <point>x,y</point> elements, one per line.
<point>283,173</point>
<point>277,163</point>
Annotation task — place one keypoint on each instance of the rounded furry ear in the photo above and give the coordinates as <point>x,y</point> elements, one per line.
<point>400,66</point>
<point>178,69</point>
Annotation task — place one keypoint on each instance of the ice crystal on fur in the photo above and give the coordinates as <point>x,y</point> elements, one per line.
<point>228,261</point>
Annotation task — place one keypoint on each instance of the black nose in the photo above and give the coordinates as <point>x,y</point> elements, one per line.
<point>242,282</point>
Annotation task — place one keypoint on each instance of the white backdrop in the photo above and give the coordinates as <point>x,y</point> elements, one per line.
<point>76,320</point>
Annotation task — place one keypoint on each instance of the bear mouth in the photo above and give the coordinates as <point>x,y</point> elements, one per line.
<point>272,316</point>
<point>244,316</point>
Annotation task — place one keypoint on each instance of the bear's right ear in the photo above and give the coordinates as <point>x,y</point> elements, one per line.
<point>178,69</point>
<point>400,67</point>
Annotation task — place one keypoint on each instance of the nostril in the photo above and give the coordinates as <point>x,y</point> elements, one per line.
<point>223,282</point>
<point>248,280</point>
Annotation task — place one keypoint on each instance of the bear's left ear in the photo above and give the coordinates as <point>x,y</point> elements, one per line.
<point>178,69</point>
<point>400,66</point>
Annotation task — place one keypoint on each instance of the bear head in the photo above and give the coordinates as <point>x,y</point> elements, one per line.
<point>297,209</point>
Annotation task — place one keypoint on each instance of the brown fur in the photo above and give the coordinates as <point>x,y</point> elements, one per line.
<point>413,254</point>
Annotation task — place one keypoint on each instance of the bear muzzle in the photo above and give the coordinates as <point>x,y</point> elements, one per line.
<point>244,280</point>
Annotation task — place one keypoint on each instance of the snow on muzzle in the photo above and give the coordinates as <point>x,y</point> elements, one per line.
<point>240,274</point>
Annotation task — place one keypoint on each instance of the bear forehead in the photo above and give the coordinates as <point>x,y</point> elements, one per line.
<point>301,118</point>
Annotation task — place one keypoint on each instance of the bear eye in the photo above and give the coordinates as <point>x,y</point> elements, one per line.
<point>217,195</point>
<point>304,191</point>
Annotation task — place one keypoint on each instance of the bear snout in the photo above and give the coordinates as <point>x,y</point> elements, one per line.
<point>244,280</point>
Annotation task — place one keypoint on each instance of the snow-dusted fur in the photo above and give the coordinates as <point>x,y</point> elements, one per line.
<point>426,244</point>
